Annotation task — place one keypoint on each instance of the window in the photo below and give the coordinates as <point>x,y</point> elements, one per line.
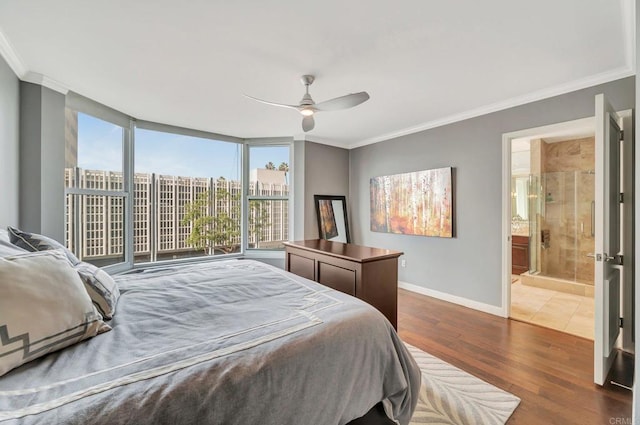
<point>95,190</point>
<point>184,194</point>
<point>187,196</point>
<point>268,196</point>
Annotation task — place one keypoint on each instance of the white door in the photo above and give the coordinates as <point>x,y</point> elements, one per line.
<point>608,247</point>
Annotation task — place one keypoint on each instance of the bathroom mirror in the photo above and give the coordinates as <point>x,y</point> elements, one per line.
<point>520,198</point>
<point>331,211</point>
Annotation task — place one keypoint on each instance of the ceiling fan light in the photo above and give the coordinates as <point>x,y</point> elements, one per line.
<point>306,112</point>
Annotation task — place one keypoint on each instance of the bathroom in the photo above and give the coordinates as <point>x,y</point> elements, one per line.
<point>553,193</point>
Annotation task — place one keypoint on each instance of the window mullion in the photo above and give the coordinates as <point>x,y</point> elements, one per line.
<point>129,186</point>
<point>95,192</point>
<point>245,198</point>
<point>267,198</point>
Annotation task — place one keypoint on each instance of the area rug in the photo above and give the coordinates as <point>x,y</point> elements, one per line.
<point>449,395</point>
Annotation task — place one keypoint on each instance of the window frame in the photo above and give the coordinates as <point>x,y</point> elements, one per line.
<point>129,125</point>
<point>246,198</point>
<point>182,131</point>
<point>83,105</point>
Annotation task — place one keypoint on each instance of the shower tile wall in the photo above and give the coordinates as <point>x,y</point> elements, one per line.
<point>569,191</point>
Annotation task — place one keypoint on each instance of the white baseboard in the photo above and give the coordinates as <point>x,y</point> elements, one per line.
<point>486,308</point>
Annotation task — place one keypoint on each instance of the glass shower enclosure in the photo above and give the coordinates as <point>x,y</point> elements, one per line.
<point>561,225</point>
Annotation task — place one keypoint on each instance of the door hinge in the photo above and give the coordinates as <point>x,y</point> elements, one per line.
<point>621,198</point>
<point>621,135</point>
<point>621,322</point>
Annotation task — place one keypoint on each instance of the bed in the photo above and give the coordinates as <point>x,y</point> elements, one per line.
<point>224,342</point>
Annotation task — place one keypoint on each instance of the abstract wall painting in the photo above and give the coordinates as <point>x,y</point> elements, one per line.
<point>416,203</point>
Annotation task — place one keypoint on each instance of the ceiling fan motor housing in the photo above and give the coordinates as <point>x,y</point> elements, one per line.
<point>307,80</point>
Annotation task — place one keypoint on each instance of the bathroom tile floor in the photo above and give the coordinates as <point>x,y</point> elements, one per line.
<point>569,313</point>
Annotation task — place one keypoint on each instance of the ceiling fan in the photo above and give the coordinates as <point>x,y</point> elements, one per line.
<point>308,107</point>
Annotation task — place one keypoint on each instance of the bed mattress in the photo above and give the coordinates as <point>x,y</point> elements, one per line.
<point>224,342</point>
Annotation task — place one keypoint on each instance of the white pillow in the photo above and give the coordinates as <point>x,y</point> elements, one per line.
<point>43,307</point>
<point>4,236</point>
<point>101,287</point>
<point>6,247</point>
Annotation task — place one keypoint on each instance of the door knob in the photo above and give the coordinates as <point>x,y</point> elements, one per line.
<point>616,259</point>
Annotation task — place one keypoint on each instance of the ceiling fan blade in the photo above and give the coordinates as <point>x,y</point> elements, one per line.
<point>308,123</point>
<point>282,105</point>
<point>343,102</point>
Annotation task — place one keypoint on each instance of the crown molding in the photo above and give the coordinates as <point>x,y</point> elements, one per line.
<point>11,56</point>
<point>43,80</point>
<point>315,139</point>
<point>561,89</point>
<point>22,72</point>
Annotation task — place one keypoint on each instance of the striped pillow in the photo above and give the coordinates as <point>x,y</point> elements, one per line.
<point>34,242</point>
<point>101,287</point>
<point>44,307</point>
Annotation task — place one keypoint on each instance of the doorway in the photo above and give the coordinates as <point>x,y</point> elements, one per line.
<point>553,229</point>
<point>613,219</point>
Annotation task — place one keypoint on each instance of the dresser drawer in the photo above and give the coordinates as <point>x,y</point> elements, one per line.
<point>301,266</point>
<point>338,278</point>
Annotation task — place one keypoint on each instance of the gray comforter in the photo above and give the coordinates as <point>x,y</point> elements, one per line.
<point>229,342</point>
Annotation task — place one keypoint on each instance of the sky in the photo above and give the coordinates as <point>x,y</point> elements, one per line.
<point>100,148</point>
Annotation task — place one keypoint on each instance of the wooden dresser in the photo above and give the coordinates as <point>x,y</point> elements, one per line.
<point>370,274</point>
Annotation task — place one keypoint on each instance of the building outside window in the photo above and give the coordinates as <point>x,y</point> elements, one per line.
<point>94,188</point>
<point>187,193</point>
<point>188,196</point>
<point>268,196</point>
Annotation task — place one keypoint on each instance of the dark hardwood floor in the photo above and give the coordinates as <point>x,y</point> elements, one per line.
<point>551,372</point>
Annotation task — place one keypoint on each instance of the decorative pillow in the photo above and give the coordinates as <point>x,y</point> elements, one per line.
<point>34,242</point>
<point>101,287</point>
<point>43,307</point>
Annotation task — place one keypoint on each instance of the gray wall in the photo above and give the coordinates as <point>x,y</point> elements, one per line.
<point>468,265</point>
<point>42,160</point>
<point>320,170</point>
<point>9,145</point>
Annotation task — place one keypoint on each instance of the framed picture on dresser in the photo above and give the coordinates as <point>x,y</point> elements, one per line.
<point>331,211</point>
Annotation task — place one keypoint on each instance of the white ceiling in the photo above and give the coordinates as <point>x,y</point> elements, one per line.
<point>424,63</point>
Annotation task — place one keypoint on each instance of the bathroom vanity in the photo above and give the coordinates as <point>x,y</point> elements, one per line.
<point>519,254</point>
